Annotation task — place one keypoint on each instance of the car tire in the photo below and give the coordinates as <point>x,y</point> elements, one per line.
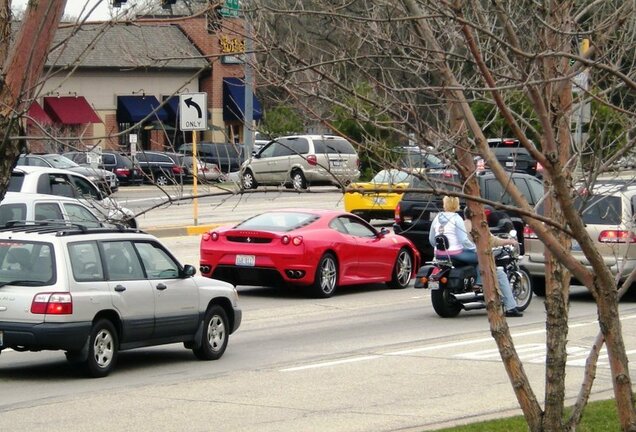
<point>102,349</point>
<point>215,334</point>
<point>161,179</point>
<point>326,278</point>
<point>248,181</point>
<point>402,270</point>
<point>298,180</point>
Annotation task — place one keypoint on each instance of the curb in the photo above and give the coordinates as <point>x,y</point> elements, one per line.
<point>179,231</point>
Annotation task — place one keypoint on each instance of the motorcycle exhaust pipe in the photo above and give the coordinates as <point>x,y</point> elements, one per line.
<point>469,296</point>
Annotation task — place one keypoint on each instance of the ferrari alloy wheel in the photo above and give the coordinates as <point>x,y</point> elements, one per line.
<point>402,270</point>
<point>326,276</point>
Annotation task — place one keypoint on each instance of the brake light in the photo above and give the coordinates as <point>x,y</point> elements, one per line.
<point>296,241</point>
<point>617,236</point>
<point>509,142</point>
<point>52,304</point>
<point>176,169</point>
<point>122,172</point>
<point>396,215</point>
<point>529,233</point>
<point>312,160</point>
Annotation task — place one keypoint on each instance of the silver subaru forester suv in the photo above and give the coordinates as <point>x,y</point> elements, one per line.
<point>298,161</point>
<point>93,292</point>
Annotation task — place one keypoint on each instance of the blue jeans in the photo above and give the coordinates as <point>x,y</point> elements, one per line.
<point>507,297</point>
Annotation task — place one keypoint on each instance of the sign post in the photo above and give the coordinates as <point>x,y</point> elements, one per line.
<point>193,114</point>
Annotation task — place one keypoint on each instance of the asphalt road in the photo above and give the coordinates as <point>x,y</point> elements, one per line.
<point>367,359</point>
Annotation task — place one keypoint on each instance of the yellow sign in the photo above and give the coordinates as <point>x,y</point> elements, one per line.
<point>231,46</point>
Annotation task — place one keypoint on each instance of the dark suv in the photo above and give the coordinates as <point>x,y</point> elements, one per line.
<point>161,168</point>
<point>513,156</point>
<point>416,210</point>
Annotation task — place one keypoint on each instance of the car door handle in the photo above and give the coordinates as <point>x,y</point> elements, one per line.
<point>120,288</point>
<point>161,287</point>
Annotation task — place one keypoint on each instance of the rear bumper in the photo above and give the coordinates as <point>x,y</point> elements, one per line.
<point>45,336</point>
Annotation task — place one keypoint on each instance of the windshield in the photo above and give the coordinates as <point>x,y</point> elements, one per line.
<point>26,263</point>
<point>59,161</point>
<point>391,177</point>
<point>278,221</point>
<point>600,209</point>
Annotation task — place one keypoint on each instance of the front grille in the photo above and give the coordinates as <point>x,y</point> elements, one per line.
<point>237,239</point>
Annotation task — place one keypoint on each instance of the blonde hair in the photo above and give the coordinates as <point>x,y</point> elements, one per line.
<point>451,204</point>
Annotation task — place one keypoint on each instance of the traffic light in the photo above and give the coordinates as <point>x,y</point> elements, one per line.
<point>166,4</point>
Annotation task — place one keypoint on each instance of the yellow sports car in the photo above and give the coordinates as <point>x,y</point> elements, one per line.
<point>378,198</point>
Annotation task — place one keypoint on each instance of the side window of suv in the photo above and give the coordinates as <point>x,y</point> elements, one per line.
<point>86,189</point>
<point>158,264</point>
<point>269,150</point>
<point>286,147</point>
<point>85,261</point>
<point>122,262</point>
<point>494,191</point>
<point>523,187</point>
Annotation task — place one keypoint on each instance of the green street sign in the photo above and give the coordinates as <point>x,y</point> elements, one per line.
<point>231,8</point>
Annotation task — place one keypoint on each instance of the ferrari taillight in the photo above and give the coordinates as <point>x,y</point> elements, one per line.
<point>214,236</point>
<point>296,241</point>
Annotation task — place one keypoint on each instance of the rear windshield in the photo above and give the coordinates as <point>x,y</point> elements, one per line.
<point>337,146</point>
<point>392,177</point>
<point>15,183</point>
<point>278,221</point>
<point>26,263</point>
<point>441,181</point>
<point>420,160</point>
<point>600,209</point>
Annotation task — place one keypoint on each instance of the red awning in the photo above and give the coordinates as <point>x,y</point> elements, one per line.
<point>70,110</point>
<point>37,115</point>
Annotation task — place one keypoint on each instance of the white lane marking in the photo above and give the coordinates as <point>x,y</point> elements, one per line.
<point>331,363</point>
<point>436,347</point>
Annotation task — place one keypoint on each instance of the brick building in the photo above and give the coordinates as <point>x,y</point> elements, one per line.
<point>110,84</point>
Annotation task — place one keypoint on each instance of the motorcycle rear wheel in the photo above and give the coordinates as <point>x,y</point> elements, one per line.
<point>522,289</point>
<point>444,303</point>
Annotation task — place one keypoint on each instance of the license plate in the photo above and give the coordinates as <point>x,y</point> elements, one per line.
<point>335,163</point>
<point>434,285</point>
<point>379,201</point>
<point>510,164</point>
<point>245,260</point>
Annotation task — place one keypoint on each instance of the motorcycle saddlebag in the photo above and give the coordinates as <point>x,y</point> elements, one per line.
<point>423,272</point>
<point>459,277</point>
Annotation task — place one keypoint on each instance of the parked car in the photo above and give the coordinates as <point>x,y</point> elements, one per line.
<point>106,180</point>
<point>377,198</point>
<point>93,292</point>
<point>206,172</point>
<point>416,210</point>
<point>53,181</point>
<point>512,156</point>
<point>317,249</point>
<point>161,168</point>
<point>17,206</point>
<point>115,162</point>
<point>227,156</point>
<point>415,157</point>
<point>302,160</point>
<point>609,212</point>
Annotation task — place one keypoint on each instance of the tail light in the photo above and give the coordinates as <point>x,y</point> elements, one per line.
<point>510,142</point>
<point>397,217</point>
<point>617,236</point>
<point>312,160</point>
<point>296,241</point>
<point>122,172</point>
<point>52,304</point>
<point>176,169</point>
<point>487,212</point>
<point>214,236</point>
<point>529,232</point>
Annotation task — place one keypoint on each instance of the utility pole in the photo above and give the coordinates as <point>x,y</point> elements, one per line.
<point>248,116</point>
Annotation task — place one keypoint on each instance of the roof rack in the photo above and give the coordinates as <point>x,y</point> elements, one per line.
<point>61,228</point>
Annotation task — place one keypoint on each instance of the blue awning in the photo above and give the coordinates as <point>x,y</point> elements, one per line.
<point>172,108</point>
<point>234,101</point>
<point>132,109</point>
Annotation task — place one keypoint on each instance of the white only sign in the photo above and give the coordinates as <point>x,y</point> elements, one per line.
<point>193,111</point>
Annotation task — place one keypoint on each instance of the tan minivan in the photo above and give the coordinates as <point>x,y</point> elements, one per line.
<point>301,160</point>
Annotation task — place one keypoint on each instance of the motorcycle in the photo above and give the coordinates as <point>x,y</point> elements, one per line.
<point>453,285</point>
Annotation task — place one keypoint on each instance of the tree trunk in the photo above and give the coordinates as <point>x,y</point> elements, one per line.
<point>22,70</point>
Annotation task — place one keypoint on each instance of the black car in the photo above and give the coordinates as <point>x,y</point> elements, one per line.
<point>512,156</point>
<point>161,168</point>
<point>416,210</point>
<point>115,162</point>
<point>417,157</point>
<point>106,181</point>
<point>228,157</point>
